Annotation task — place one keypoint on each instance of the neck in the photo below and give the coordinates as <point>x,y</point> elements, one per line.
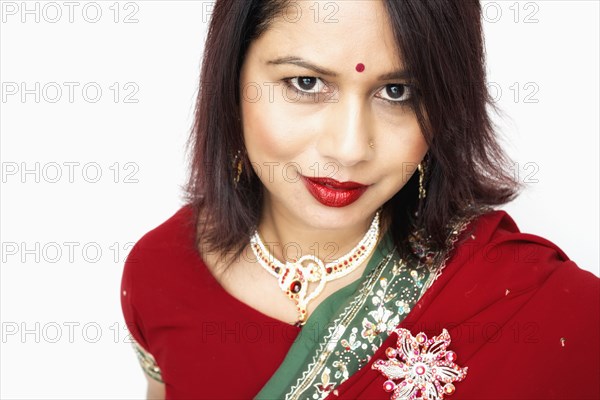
<point>287,238</point>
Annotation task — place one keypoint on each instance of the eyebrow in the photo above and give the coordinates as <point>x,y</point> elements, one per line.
<point>400,74</point>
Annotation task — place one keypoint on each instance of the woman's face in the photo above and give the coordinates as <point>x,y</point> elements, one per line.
<point>318,101</point>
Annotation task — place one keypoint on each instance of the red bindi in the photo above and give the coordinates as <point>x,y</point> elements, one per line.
<point>360,67</point>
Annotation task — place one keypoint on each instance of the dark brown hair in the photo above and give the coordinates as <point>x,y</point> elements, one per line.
<point>442,48</point>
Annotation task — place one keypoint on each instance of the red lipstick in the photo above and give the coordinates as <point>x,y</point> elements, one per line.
<point>332,193</point>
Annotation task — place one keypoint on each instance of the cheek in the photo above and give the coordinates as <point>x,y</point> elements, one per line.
<point>269,135</point>
<point>258,134</point>
<point>401,153</point>
<point>405,144</point>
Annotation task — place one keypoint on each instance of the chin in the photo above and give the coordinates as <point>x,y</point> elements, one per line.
<point>323,217</point>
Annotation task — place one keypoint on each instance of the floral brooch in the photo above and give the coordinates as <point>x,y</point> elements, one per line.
<point>420,368</point>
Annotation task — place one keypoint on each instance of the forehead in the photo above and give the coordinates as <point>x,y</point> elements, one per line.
<point>338,34</point>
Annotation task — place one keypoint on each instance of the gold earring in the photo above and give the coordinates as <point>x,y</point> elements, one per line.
<point>237,167</point>
<point>422,192</point>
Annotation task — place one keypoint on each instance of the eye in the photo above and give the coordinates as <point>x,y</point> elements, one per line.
<point>397,93</point>
<point>306,85</point>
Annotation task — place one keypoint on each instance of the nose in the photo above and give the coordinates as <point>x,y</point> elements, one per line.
<point>345,136</point>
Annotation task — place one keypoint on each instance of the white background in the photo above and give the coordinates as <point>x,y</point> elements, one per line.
<point>553,141</point>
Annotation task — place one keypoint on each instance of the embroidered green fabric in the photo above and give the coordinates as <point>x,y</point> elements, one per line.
<point>329,348</point>
<point>347,328</point>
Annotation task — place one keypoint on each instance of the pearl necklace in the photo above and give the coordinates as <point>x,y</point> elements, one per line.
<point>293,277</point>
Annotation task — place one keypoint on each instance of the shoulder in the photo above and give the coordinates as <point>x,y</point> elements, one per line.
<point>171,237</point>
<point>523,260</point>
<point>497,226</point>
<point>495,230</point>
<point>163,270</point>
<point>177,230</point>
<point>157,253</point>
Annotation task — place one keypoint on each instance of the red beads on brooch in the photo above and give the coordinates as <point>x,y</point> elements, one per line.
<point>451,356</point>
<point>389,386</point>
<point>391,352</point>
<point>449,388</point>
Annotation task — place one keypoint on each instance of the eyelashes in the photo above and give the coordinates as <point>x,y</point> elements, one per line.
<point>399,94</point>
<point>302,80</point>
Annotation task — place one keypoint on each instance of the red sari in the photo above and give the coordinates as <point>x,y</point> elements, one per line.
<point>521,316</point>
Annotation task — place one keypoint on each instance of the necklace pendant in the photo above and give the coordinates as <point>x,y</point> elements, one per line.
<point>294,277</point>
<point>297,276</point>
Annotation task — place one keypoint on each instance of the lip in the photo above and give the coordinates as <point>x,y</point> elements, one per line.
<point>333,193</point>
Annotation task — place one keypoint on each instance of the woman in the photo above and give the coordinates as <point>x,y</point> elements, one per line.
<point>339,238</point>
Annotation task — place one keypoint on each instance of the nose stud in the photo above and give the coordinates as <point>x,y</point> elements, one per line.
<point>371,145</point>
